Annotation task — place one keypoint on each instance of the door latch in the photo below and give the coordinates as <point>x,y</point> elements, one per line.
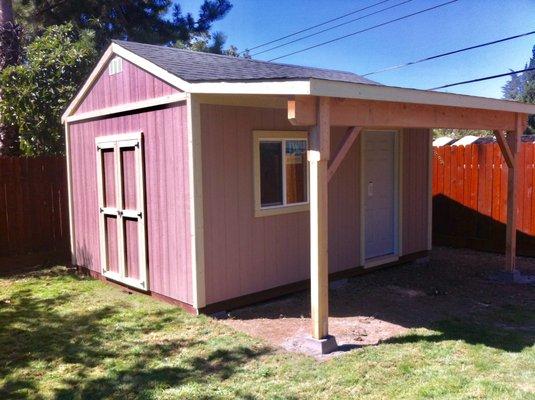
<point>370,188</point>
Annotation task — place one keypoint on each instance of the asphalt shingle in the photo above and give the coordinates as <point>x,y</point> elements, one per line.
<point>193,66</point>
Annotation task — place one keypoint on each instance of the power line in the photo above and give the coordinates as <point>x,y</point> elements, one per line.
<point>315,26</point>
<point>483,79</point>
<point>331,27</point>
<point>449,53</point>
<point>364,30</point>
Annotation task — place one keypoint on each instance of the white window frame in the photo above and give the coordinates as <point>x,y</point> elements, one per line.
<point>282,137</point>
<point>117,142</point>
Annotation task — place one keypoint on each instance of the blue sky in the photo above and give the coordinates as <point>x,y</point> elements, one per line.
<point>461,24</point>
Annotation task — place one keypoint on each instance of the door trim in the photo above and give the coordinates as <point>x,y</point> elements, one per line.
<point>398,173</point>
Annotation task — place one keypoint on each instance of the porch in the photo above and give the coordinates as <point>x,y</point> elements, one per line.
<point>395,109</point>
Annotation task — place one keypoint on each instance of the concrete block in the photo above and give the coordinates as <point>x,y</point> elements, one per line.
<point>320,346</point>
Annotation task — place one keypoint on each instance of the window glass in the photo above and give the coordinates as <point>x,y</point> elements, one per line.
<point>271,174</point>
<point>296,171</point>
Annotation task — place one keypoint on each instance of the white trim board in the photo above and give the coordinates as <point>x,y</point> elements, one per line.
<point>196,202</point>
<point>158,101</point>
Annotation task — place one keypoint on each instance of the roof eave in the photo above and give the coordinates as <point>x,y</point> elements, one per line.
<point>266,87</point>
<point>320,87</point>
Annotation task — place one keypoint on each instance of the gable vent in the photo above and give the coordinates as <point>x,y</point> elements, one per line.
<point>116,66</point>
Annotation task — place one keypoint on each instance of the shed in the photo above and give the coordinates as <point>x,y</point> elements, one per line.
<point>213,181</point>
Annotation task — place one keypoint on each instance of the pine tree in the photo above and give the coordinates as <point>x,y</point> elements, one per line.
<point>144,21</point>
<point>521,87</point>
<point>9,56</point>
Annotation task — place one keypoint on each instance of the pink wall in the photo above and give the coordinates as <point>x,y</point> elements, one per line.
<point>415,189</point>
<point>244,254</point>
<point>129,86</point>
<point>166,191</point>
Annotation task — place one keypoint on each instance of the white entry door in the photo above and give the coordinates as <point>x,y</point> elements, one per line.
<point>380,198</point>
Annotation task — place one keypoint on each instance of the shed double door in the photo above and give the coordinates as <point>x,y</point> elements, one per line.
<point>380,194</point>
<point>121,196</point>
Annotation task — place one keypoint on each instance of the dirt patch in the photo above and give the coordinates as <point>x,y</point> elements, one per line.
<point>370,309</point>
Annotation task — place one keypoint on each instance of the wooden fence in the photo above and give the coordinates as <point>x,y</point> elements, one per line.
<point>470,197</point>
<point>33,211</point>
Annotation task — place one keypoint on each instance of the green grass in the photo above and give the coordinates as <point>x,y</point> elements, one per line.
<point>64,337</point>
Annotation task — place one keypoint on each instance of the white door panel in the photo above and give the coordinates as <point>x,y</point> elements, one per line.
<point>380,197</point>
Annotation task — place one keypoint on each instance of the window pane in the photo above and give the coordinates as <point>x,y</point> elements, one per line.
<point>270,174</point>
<point>296,171</point>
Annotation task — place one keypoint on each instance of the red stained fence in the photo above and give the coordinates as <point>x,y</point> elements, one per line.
<point>470,197</point>
<point>33,212</point>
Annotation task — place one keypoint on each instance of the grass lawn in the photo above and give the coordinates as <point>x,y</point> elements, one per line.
<point>63,337</point>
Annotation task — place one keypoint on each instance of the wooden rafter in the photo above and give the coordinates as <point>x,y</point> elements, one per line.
<point>349,138</point>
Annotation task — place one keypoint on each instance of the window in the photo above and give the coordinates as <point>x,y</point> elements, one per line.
<point>281,173</point>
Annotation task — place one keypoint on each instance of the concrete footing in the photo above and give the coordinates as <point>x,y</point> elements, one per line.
<point>513,277</point>
<point>320,346</point>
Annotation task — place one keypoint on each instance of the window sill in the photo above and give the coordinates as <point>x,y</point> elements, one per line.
<point>288,209</point>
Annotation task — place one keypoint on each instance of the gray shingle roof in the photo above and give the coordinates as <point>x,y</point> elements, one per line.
<point>193,66</point>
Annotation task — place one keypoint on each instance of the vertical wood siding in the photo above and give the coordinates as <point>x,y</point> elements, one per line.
<point>166,190</point>
<point>415,183</point>
<point>344,208</point>
<point>244,254</point>
<point>131,85</point>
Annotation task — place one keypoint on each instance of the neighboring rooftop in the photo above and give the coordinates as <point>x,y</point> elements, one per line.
<point>193,66</point>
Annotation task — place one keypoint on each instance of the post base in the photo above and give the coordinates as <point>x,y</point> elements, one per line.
<point>513,277</point>
<point>320,346</point>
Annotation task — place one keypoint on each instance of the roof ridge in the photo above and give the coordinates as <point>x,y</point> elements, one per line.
<point>234,58</point>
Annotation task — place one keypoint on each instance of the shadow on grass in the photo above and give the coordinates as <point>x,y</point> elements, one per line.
<point>453,287</point>
<point>471,333</point>
<point>38,334</point>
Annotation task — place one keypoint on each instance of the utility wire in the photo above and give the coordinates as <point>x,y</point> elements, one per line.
<point>331,27</point>
<point>449,53</point>
<point>314,26</point>
<point>364,30</point>
<point>482,79</point>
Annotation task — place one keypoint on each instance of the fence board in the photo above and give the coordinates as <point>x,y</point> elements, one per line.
<point>470,197</point>
<point>33,209</point>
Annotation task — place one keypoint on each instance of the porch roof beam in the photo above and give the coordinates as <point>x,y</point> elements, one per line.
<point>387,114</point>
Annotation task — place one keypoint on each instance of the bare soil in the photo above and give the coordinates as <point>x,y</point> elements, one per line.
<point>454,285</point>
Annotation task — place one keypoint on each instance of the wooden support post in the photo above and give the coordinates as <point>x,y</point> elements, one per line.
<point>318,158</point>
<point>513,141</point>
